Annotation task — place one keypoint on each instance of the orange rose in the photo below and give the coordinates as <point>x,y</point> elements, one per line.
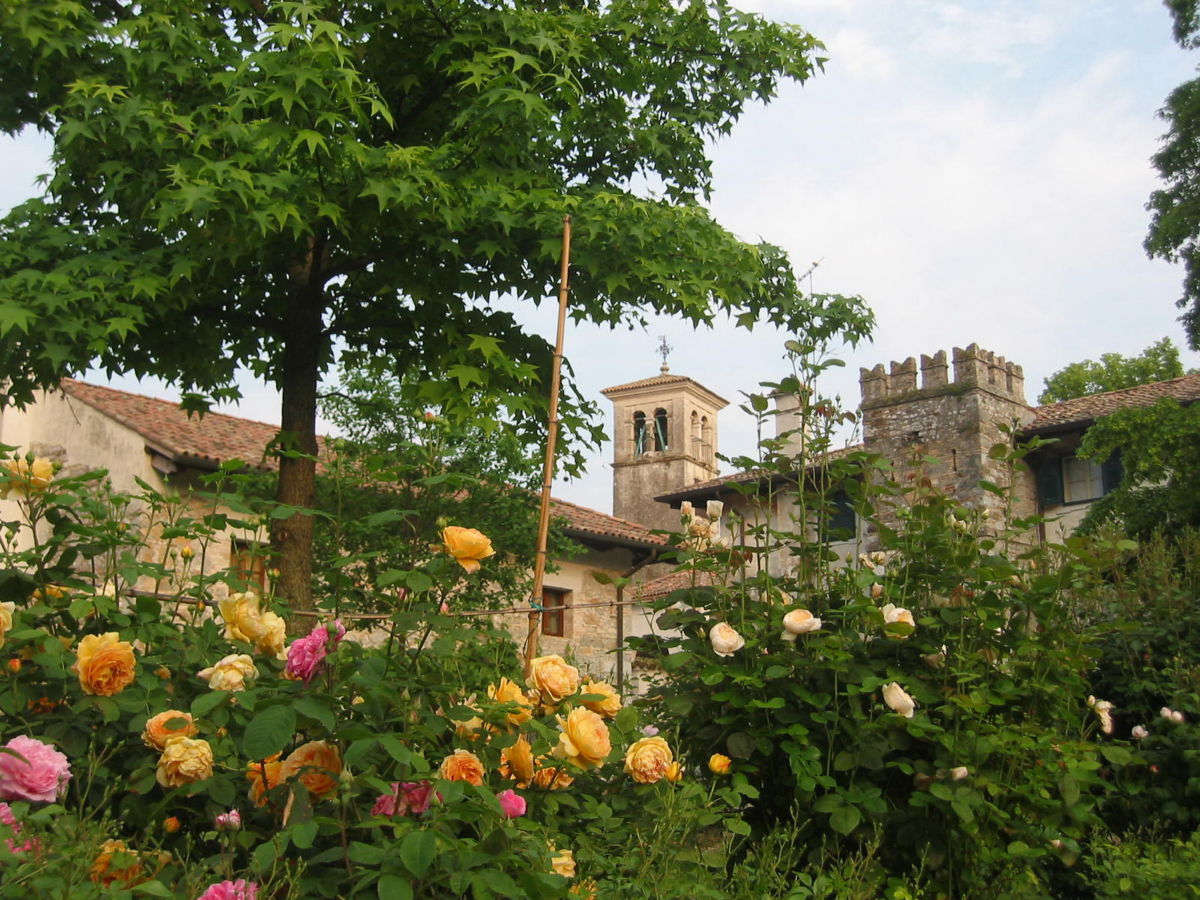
<point>105,664</point>
<point>584,739</point>
<point>552,678</point>
<point>116,863</point>
<point>183,761</point>
<point>166,725</point>
<point>609,705</point>
<point>552,778</point>
<point>516,762</point>
<point>462,765</point>
<point>263,775</point>
<point>467,545</point>
<point>647,760</point>
<point>510,692</point>
<point>317,765</point>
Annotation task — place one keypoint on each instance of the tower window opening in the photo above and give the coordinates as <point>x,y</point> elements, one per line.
<point>660,430</point>
<point>639,433</point>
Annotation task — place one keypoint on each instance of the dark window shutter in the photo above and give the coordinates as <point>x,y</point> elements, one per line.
<point>1048,473</point>
<point>1111,473</point>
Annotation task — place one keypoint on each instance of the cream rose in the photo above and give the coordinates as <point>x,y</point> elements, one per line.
<point>898,699</point>
<point>26,477</point>
<point>609,705</point>
<point>892,615</point>
<point>7,608</point>
<point>725,640</point>
<point>647,760</point>
<point>183,761</point>
<point>798,622</point>
<point>230,673</point>
<point>552,678</point>
<point>584,739</point>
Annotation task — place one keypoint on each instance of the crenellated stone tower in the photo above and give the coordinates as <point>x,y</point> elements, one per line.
<point>664,439</point>
<point>951,425</point>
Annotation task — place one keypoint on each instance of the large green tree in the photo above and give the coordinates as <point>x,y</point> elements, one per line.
<point>1113,372</point>
<point>273,184</point>
<point>1175,209</point>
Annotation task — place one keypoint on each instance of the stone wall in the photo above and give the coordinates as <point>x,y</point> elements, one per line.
<point>944,428</point>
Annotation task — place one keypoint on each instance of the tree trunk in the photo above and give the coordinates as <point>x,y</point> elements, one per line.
<point>292,538</point>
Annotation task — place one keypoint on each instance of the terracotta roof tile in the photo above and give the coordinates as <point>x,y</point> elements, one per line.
<point>212,438</point>
<point>1085,410</point>
<point>658,381</point>
<point>584,521</point>
<point>714,485</point>
<point>217,437</point>
<point>657,588</point>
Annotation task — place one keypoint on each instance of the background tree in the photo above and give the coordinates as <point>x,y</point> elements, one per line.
<point>274,184</point>
<point>1158,362</point>
<point>1175,221</point>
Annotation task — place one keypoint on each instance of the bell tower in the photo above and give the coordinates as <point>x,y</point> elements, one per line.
<point>664,439</point>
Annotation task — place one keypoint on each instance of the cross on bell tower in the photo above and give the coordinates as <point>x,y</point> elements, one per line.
<point>664,349</point>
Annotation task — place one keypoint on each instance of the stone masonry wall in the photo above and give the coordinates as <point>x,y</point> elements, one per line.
<point>944,428</point>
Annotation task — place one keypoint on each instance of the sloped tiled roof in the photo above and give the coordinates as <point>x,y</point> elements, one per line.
<point>590,522</point>
<point>195,440</point>
<point>659,381</point>
<point>1085,410</point>
<point>714,486</point>
<point>657,588</point>
<point>216,437</point>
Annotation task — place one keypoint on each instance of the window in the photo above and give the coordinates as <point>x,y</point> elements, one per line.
<point>840,521</point>
<point>1071,479</point>
<point>554,613</point>
<point>248,559</point>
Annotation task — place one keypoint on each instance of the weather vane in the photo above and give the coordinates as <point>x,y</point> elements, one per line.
<point>663,350</point>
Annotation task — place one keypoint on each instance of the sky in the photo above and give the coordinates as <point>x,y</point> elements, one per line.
<point>976,171</point>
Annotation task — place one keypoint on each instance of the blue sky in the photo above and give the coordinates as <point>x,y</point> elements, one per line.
<point>978,171</point>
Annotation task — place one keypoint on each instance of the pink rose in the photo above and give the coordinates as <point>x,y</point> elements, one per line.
<point>39,774</point>
<point>512,804</point>
<point>406,798</point>
<point>306,654</point>
<point>231,890</point>
<point>8,818</point>
<point>228,821</point>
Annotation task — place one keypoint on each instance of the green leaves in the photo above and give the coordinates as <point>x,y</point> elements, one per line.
<point>269,731</point>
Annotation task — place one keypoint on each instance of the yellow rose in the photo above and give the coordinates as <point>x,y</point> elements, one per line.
<point>467,545</point>
<point>263,775</point>
<point>472,729</point>
<point>245,620</point>
<point>552,678</point>
<point>563,862</point>
<point>183,761</point>
<point>25,477</point>
<point>462,765</point>
<point>647,760</point>
<point>510,692</point>
<point>584,739</point>
<point>167,725</point>
<point>317,765</point>
<point>105,664</point>
<point>231,673</point>
<point>516,762</point>
<point>719,764</point>
<point>674,773</point>
<point>7,608</point>
<point>584,890</point>
<point>609,706</point>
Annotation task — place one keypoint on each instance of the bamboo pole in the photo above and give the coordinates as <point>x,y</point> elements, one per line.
<point>539,565</point>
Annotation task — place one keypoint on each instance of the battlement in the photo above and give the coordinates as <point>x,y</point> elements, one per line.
<point>974,368</point>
